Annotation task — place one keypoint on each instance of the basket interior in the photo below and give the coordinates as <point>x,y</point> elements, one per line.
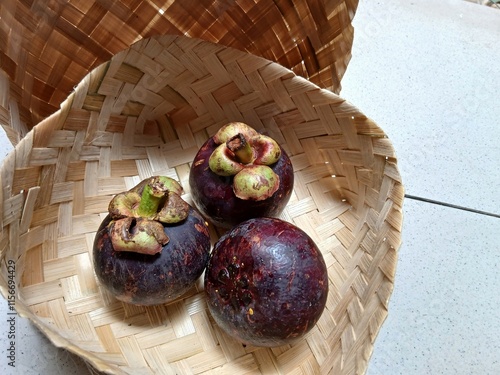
<point>146,112</point>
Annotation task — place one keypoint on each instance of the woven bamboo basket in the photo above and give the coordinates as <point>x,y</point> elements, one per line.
<point>145,111</point>
<point>48,46</point>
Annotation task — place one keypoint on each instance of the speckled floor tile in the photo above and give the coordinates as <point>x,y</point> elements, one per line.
<point>443,314</point>
<point>36,355</point>
<point>5,145</point>
<point>427,73</point>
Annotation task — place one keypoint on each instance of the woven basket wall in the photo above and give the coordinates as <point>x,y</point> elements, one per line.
<point>146,112</point>
<point>48,46</point>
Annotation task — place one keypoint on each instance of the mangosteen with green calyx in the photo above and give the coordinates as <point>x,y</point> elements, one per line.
<point>239,174</point>
<point>152,246</point>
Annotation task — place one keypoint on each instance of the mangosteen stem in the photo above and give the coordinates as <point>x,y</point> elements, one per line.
<point>151,200</point>
<point>161,201</point>
<point>241,148</point>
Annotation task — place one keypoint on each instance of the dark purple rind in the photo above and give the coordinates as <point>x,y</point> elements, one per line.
<point>154,279</point>
<point>266,282</point>
<point>213,195</point>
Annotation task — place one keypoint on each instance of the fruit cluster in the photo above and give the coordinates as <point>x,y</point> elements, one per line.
<point>265,280</point>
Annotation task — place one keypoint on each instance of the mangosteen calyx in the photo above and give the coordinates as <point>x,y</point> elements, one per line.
<point>138,215</point>
<point>244,153</point>
<point>137,235</point>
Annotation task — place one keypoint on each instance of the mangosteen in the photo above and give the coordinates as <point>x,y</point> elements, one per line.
<point>239,174</point>
<point>152,246</point>
<point>266,282</point>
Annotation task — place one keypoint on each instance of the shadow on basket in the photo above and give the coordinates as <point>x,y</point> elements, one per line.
<point>146,112</point>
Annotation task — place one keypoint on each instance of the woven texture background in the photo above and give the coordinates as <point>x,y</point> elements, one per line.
<point>47,47</point>
<point>146,112</point>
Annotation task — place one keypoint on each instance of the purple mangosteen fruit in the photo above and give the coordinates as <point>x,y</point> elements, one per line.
<point>239,174</point>
<point>152,246</point>
<point>266,282</point>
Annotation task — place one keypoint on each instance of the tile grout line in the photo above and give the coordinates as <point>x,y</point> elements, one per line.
<point>451,205</point>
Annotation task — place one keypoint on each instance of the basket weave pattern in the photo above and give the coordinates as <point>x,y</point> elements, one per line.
<point>146,112</point>
<point>47,47</point>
